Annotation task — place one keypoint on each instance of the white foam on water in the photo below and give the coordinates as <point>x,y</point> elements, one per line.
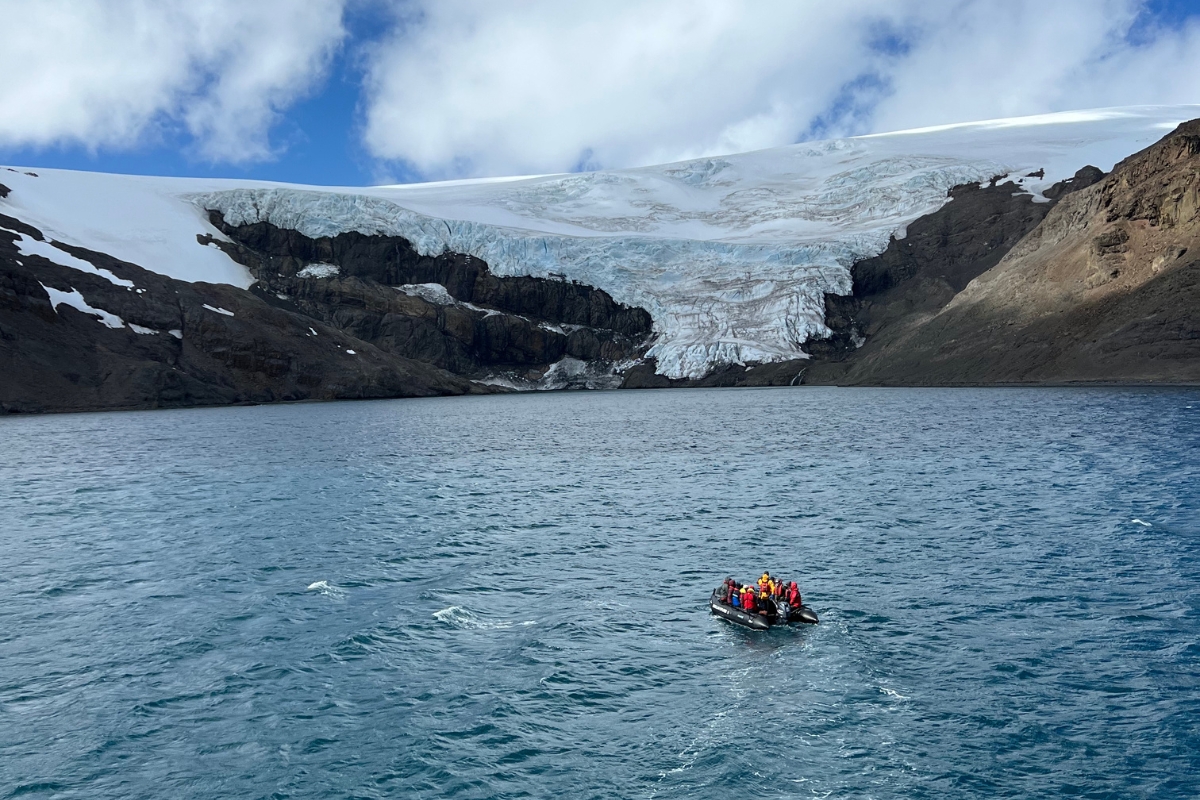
<point>327,589</point>
<point>465,618</point>
<point>1140,522</point>
<point>892,693</point>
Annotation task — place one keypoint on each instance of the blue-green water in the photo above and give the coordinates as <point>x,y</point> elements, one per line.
<point>506,597</point>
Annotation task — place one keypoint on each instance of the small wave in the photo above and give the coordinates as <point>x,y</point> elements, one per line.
<point>892,693</point>
<point>1140,522</point>
<point>461,617</point>
<point>326,588</point>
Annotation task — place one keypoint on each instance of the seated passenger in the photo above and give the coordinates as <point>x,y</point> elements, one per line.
<point>748,602</point>
<point>793,596</point>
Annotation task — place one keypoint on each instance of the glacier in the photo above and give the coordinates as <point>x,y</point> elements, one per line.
<point>731,255</point>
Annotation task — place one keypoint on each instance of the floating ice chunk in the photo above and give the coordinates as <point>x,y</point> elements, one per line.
<point>430,292</point>
<point>226,312</point>
<point>32,247</point>
<point>319,271</point>
<point>75,300</point>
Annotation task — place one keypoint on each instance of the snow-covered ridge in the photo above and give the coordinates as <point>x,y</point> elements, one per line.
<point>731,255</point>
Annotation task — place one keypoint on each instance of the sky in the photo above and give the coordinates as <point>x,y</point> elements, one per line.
<point>356,92</point>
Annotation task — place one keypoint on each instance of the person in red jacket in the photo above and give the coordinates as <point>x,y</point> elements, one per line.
<point>793,595</point>
<point>748,603</point>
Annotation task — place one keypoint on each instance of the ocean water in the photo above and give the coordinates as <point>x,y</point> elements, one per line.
<point>505,597</point>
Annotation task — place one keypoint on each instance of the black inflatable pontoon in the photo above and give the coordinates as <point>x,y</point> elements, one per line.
<point>783,615</point>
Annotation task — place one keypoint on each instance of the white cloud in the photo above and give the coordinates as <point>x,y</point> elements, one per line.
<point>472,88</point>
<point>982,60</point>
<point>544,85</point>
<point>109,73</point>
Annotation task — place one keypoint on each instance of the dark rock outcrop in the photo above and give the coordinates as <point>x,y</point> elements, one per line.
<point>776,373</point>
<point>920,273</point>
<point>64,359</point>
<point>487,326</point>
<point>1106,288</point>
<point>270,252</point>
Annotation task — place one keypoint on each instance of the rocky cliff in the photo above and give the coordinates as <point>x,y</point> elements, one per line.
<point>1105,288</point>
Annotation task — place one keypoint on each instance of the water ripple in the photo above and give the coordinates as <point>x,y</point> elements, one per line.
<point>505,597</point>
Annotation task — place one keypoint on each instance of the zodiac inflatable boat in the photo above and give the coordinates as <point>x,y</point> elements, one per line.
<point>778,613</point>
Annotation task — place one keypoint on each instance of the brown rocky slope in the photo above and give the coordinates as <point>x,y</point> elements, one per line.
<point>1105,289</point>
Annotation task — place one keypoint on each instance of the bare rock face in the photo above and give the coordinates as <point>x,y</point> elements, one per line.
<point>1105,289</point>
<point>939,255</point>
<point>161,343</point>
<point>447,310</point>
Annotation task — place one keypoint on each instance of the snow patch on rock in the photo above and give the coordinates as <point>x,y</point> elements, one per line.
<point>28,246</point>
<point>75,300</point>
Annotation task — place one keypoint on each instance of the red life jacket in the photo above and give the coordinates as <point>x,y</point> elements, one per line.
<point>793,597</point>
<point>748,601</point>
